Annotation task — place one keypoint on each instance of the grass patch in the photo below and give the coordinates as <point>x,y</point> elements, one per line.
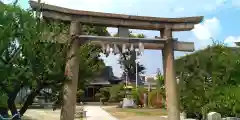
<point>122,113</point>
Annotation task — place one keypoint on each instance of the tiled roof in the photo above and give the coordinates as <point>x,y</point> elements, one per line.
<point>105,77</point>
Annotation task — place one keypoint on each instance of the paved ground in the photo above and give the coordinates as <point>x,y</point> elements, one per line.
<point>132,117</point>
<point>145,118</point>
<point>93,113</point>
<point>97,113</point>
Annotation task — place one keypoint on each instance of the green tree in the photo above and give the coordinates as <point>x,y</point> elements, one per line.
<point>159,79</point>
<point>127,60</point>
<point>28,60</point>
<point>91,65</point>
<point>160,84</point>
<point>12,64</point>
<point>206,79</point>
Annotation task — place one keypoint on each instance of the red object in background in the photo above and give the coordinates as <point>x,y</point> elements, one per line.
<point>155,100</point>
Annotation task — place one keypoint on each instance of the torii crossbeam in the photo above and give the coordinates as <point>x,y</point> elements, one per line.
<point>165,42</point>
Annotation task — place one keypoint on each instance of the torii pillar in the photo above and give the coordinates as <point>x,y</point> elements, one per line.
<point>172,96</point>
<point>71,71</point>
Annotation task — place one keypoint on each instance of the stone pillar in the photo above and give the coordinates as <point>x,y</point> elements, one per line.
<point>172,97</point>
<point>145,96</point>
<point>163,60</point>
<point>71,71</point>
<point>123,32</point>
<point>163,57</point>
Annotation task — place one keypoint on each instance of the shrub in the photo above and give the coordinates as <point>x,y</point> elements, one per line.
<point>155,99</point>
<point>3,100</point>
<point>209,81</point>
<point>3,105</point>
<point>103,94</point>
<point>226,101</point>
<point>80,92</point>
<point>138,95</point>
<point>117,93</point>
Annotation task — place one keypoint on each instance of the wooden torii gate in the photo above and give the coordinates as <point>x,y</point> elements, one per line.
<point>165,42</point>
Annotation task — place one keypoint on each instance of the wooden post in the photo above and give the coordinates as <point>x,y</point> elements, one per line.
<point>71,71</point>
<point>172,97</point>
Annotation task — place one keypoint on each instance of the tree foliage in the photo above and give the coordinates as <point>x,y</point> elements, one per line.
<point>90,65</point>
<point>127,60</point>
<point>209,81</point>
<point>31,59</point>
<point>160,89</point>
<point>159,80</point>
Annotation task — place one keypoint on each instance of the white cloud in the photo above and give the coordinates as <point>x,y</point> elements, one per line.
<point>7,1</point>
<point>210,28</point>
<point>230,40</point>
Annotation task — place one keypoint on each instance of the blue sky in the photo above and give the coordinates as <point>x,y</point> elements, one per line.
<point>221,21</point>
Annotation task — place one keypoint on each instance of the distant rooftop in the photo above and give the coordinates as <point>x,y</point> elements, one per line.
<point>106,77</point>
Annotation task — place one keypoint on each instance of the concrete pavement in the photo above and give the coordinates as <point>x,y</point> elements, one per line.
<point>97,113</point>
<point>93,113</point>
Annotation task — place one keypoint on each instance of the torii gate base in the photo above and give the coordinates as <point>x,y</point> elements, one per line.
<point>165,25</point>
